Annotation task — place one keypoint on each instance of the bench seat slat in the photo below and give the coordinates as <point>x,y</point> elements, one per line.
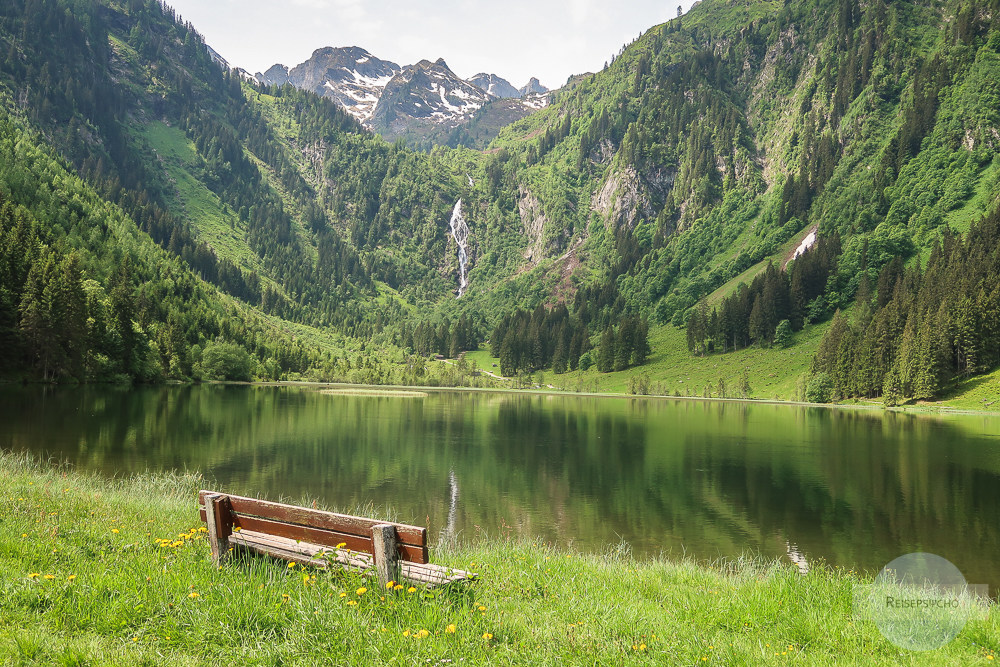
<point>305,553</point>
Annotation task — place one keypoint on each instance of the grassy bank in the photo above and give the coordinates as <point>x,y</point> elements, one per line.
<point>773,373</point>
<point>118,572</point>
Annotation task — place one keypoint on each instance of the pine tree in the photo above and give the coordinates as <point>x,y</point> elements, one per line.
<point>606,351</point>
<point>640,349</point>
<point>624,342</point>
<point>758,323</point>
<point>892,388</point>
<point>559,357</point>
<point>73,328</point>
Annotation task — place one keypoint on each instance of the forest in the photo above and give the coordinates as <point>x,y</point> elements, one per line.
<point>919,327</point>
<point>219,228</point>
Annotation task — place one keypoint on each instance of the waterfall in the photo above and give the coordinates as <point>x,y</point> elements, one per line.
<point>460,232</point>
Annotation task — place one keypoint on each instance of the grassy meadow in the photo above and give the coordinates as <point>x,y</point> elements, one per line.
<point>774,373</point>
<point>101,571</point>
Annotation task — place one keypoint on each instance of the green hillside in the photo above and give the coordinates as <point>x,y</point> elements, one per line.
<point>695,162</point>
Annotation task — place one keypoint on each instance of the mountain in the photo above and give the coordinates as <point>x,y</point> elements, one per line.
<point>425,95</point>
<point>422,103</point>
<point>351,76</point>
<point>533,87</point>
<point>675,185</point>
<point>495,85</point>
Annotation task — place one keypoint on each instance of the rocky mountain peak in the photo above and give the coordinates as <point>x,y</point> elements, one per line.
<point>390,99</point>
<point>534,86</point>
<point>495,85</point>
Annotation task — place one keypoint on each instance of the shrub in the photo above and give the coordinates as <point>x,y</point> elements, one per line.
<point>225,361</point>
<point>820,389</point>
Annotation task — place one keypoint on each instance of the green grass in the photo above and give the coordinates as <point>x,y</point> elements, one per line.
<point>213,221</point>
<point>778,258</point>
<point>773,372</point>
<point>88,582</point>
<point>978,393</point>
<point>974,208</point>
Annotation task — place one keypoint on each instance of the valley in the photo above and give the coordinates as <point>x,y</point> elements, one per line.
<point>321,197</point>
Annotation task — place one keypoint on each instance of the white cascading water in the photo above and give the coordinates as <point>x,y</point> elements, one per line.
<point>460,232</point>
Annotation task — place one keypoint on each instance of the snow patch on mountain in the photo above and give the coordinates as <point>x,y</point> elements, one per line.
<point>389,99</point>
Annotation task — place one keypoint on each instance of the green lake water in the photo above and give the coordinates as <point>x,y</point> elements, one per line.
<point>702,479</point>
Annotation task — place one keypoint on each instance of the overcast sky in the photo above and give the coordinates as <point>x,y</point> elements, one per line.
<point>516,39</point>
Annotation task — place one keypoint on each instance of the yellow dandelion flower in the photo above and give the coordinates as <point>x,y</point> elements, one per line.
<point>192,594</point>
<point>71,577</point>
<point>642,647</point>
<point>422,634</point>
<point>291,565</point>
<point>114,530</point>
<point>285,596</point>
<point>411,589</point>
<point>50,577</point>
<point>482,608</point>
<point>390,584</point>
<point>362,591</point>
<point>406,633</point>
<point>342,545</point>
<point>202,529</point>
<point>397,587</point>
<point>351,603</point>
<point>451,629</point>
<point>305,579</point>
<point>343,595</point>
<point>487,636</point>
<point>33,575</point>
<point>24,534</point>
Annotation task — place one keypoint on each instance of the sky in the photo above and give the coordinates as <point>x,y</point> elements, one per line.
<point>515,39</point>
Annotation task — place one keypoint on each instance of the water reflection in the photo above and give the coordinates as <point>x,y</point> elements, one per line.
<point>708,479</point>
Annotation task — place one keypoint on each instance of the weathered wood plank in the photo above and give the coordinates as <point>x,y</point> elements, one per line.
<point>218,521</point>
<point>386,553</point>
<point>317,556</point>
<point>326,538</point>
<point>356,559</point>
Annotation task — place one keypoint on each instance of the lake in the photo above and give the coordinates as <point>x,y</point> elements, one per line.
<point>855,488</point>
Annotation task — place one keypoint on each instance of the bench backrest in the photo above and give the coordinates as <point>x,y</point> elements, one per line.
<point>326,529</point>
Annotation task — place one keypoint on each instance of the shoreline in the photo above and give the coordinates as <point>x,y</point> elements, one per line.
<point>415,391</point>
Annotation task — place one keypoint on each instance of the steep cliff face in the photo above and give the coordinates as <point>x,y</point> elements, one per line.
<point>425,94</point>
<point>628,197</point>
<point>495,85</point>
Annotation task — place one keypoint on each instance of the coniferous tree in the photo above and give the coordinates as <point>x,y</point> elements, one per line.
<point>606,351</point>
<point>624,342</point>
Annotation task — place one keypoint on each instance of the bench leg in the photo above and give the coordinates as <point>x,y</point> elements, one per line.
<point>220,526</point>
<point>386,553</point>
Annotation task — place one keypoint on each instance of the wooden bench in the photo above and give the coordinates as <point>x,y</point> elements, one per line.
<point>393,551</point>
